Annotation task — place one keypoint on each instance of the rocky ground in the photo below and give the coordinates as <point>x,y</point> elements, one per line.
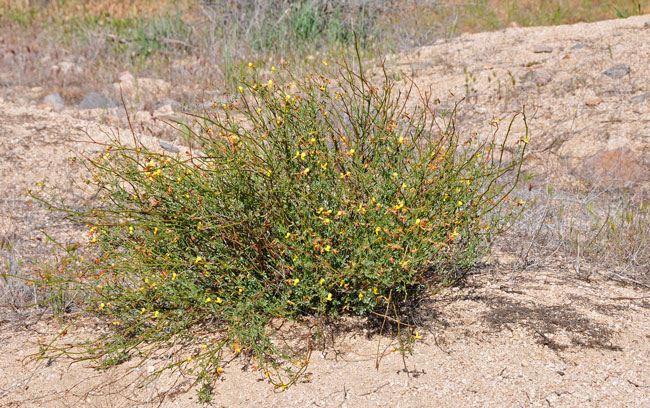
<point>543,333</point>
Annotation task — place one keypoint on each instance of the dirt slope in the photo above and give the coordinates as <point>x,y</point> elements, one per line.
<point>550,335</point>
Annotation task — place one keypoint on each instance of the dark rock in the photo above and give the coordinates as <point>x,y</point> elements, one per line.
<point>578,46</point>
<point>540,49</point>
<point>617,71</point>
<point>54,100</point>
<point>647,24</point>
<point>94,100</point>
<point>169,148</point>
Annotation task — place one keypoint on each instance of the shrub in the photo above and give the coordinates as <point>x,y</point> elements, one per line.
<point>300,201</point>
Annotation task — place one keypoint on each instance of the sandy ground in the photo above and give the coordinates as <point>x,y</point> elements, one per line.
<point>548,335</point>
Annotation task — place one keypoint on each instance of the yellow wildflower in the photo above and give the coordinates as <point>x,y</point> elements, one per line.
<point>329,297</point>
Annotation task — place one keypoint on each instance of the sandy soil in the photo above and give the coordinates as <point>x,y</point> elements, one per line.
<point>549,335</point>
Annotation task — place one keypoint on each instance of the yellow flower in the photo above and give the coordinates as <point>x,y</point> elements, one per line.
<point>219,300</point>
<point>143,310</point>
<point>327,248</point>
<point>288,235</point>
<point>401,140</point>
<point>131,230</point>
<point>270,82</point>
<point>360,296</point>
<point>198,259</point>
<point>399,205</point>
<point>418,221</point>
<point>305,171</point>
<point>351,152</point>
<point>321,281</point>
<point>326,221</point>
<point>329,297</point>
<point>208,300</point>
<point>155,231</point>
<point>454,234</point>
<point>174,275</point>
<point>375,290</point>
<point>324,62</point>
<point>101,306</point>
<point>189,358</point>
<point>417,336</point>
<point>302,155</point>
<point>395,175</point>
<point>156,314</point>
<point>273,68</point>
<point>296,281</point>
<point>377,230</point>
<point>320,210</point>
<point>339,213</point>
<point>460,203</point>
<point>219,370</point>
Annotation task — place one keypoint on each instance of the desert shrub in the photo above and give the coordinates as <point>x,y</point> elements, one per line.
<point>299,201</point>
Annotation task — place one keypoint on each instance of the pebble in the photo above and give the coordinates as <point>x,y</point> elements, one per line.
<point>94,100</point>
<point>542,49</point>
<point>169,148</point>
<point>595,101</point>
<point>617,71</point>
<point>640,98</point>
<point>55,101</point>
<point>647,24</point>
<point>578,46</point>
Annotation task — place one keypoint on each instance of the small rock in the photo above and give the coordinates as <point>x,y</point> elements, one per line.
<point>640,98</point>
<point>540,49</point>
<point>55,101</point>
<point>539,77</point>
<point>170,148</point>
<point>578,46</point>
<point>167,101</point>
<point>142,116</point>
<point>595,101</point>
<point>617,71</point>
<point>94,100</point>
<point>647,24</point>
<point>164,112</point>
